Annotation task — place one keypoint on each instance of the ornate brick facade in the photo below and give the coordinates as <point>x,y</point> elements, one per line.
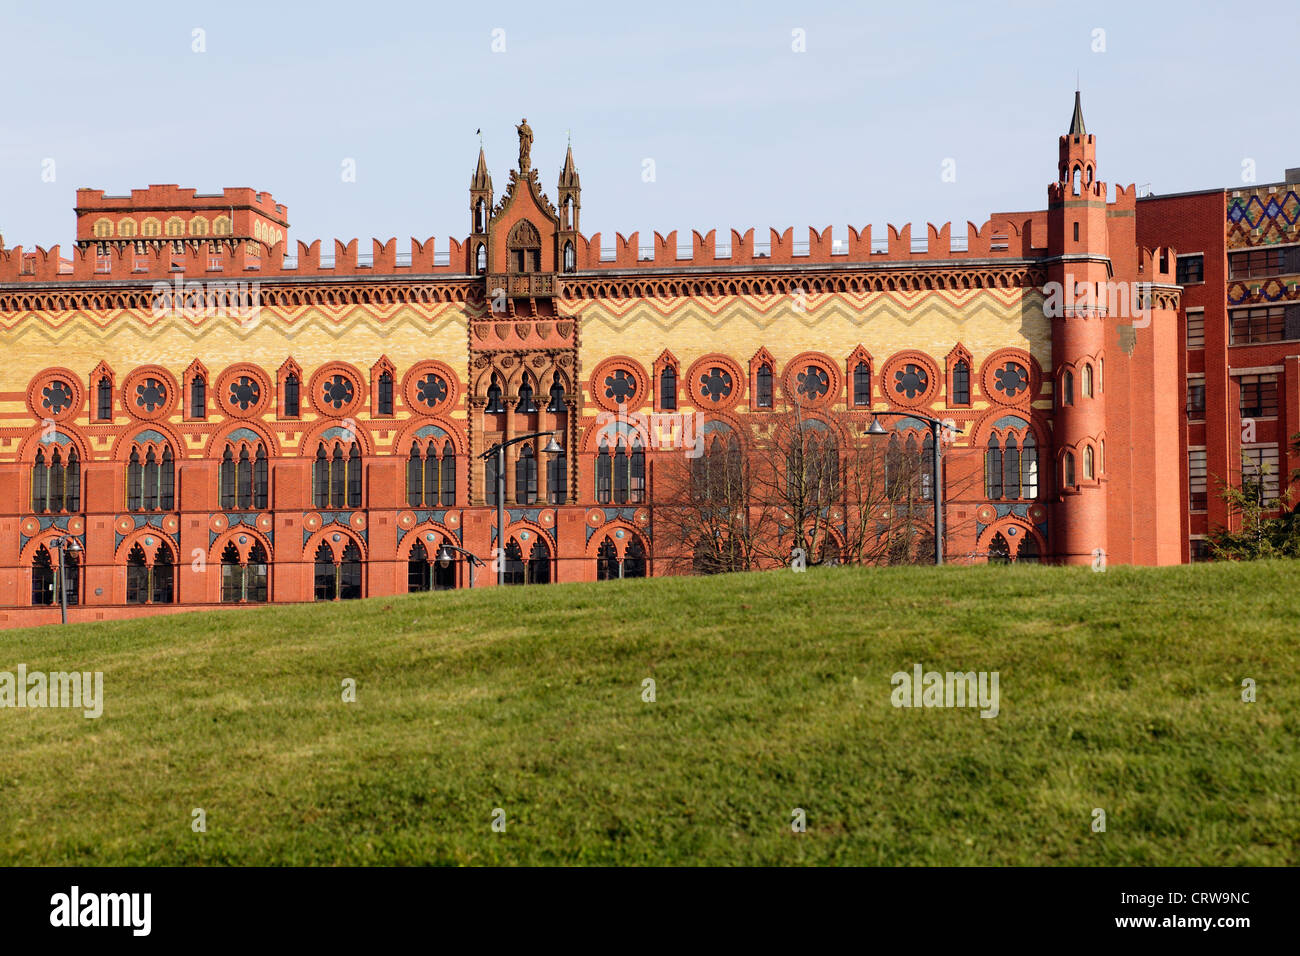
<point>235,423</point>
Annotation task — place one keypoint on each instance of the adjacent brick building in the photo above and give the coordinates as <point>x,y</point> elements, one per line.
<point>214,417</point>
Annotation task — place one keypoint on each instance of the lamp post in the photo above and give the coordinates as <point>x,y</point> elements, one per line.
<point>499,449</point>
<point>445,557</point>
<point>936,481</point>
<point>62,543</point>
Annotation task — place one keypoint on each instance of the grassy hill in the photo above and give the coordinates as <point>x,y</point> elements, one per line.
<point>1119,690</point>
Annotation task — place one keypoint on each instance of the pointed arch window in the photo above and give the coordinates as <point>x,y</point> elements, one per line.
<point>104,399</point>
<point>1027,553</point>
<point>326,583</point>
<point>198,397</point>
<point>636,473</point>
<point>425,575</point>
<point>1011,466</point>
<point>480,258</point>
<point>570,262</point>
<point>556,405</point>
<point>961,383</point>
<point>150,579</point>
<point>993,470</point>
<point>668,388</point>
<point>1067,387</point>
<point>385,396</point>
<point>480,220</point>
<point>906,464</point>
<point>861,385</point>
<point>338,580</point>
<point>350,573</point>
<point>604,473</point>
<point>233,575</point>
<point>336,475</point>
<point>999,550</point>
<point>1087,381</point>
<point>45,577</point>
<point>526,476</point>
<point>354,477</point>
<point>431,474</point>
<point>150,478</point>
<point>620,473</point>
<point>764,396</point>
<point>718,474</point>
<point>812,465</point>
<point>557,478</point>
<point>634,559</point>
<point>292,401</point>
<point>526,405</point>
<point>607,563</point>
<point>1029,467</point>
<point>514,559</point>
<point>490,479</point>
<point>925,470</point>
<point>56,482</point>
<point>338,479</point>
<point>536,570</point>
<point>1088,470</point>
<point>1067,470</point>
<point>419,573</point>
<point>494,404</point>
<point>243,478</point>
<point>255,575</point>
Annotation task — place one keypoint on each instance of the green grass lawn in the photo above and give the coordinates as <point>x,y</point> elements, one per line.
<point>1119,690</point>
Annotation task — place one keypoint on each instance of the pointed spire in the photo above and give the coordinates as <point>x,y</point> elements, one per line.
<point>569,174</point>
<point>481,180</point>
<point>1076,121</point>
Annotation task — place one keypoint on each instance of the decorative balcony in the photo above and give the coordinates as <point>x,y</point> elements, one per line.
<point>522,285</point>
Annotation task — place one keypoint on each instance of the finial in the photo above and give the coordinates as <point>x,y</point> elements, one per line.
<point>1076,121</point>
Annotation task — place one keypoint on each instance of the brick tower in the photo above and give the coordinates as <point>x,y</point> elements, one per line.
<point>1079,264</point>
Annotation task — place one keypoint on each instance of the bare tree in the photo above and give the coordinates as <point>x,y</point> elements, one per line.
<point>708,518</point>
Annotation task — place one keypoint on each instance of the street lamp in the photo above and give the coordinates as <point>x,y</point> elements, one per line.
<point>936,483</point>
<point>446,555</point>
<point>62,543</point>
<point>499,449</point>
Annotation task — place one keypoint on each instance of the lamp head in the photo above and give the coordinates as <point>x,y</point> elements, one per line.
<point>552,447</point>
<point>444,556</point>
<point>875,427</point>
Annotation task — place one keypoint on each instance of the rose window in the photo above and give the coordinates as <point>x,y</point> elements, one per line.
<point>1011,379</point>
<point>337,391</point>
<point>620,386</point>
<point>911,380</point>
<point>715,385</point>
<point>56,397</point>
<point>813,382</point>
<point>244,392</point>
<point>150,394</point>
<point>431,390</point>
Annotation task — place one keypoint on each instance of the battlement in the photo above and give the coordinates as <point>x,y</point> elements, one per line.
<point>1158,264</point>
<point>157,198</point>
<point>996,238</point>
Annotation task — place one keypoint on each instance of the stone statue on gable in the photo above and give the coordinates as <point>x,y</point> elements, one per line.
<point>525,145</point>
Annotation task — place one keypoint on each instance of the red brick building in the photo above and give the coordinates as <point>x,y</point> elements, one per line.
<point>202,415</point>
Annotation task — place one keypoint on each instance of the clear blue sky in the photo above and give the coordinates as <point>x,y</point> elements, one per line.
<point>743,130</point>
